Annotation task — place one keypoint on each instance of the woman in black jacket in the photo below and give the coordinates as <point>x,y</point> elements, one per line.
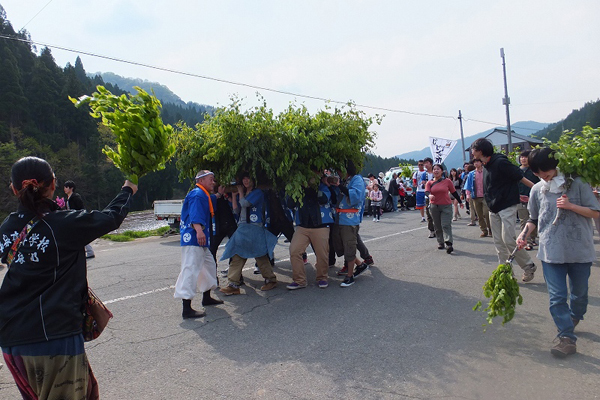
<point>44,290</point>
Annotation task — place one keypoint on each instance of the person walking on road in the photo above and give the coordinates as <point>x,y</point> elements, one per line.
<point>425,177</point>
<point>441,207</point>
<point>349,214</point>
<point>313,221</point>
<point>566,248</point>
<point>198,267</point>
<point>475,193</point>
<point>45,289</point>
<point>251,239</point>
<point>501,192</point>
<point>522,212</point>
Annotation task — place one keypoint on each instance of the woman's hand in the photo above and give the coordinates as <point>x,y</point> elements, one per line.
<point>133,186</point>
<point>431,197</point>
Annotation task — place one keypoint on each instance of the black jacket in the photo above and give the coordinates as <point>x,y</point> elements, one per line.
<point>42,295</point>
<point>501,183</point>
<point>75,202</point>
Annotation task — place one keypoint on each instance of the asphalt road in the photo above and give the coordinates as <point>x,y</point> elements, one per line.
<point>405,330</point>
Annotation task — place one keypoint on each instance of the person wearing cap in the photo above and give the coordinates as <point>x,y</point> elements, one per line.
<point>251,239</point>
<point>198,267</point>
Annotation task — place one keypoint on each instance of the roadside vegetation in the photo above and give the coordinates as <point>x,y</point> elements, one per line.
<point>132,235</point>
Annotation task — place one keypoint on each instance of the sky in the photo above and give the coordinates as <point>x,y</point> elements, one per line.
<point>407,57</point>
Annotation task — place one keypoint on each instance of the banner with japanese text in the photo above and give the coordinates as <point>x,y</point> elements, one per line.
<point>440,148</point>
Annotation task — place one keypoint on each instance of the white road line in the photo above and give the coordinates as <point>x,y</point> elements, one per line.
<point>133,296</point>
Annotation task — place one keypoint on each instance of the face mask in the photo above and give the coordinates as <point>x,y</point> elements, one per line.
<point>556,184</point>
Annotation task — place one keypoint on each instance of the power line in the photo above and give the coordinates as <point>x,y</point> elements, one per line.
<point>222,80</point>
<point>47,4</point>
<point>241,84</point>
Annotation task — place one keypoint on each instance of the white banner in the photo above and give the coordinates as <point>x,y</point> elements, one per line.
<point>440,148</point>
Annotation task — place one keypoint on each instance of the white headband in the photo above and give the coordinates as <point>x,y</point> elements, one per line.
<point>203,175</point>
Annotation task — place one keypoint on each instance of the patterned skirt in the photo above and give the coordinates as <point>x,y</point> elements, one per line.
<point>57,369</point>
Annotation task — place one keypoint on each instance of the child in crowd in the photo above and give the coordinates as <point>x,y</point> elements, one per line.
<point>376,196</point>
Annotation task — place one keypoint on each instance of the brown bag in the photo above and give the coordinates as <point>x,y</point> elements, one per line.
<point>95,317</point>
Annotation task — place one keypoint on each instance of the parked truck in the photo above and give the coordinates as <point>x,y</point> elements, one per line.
<point>168,210</point>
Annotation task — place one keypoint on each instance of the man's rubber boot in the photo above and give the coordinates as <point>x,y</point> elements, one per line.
<point>210,301</point>
<point>189,312</point>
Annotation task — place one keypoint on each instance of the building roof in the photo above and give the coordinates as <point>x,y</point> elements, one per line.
<point>498,137</point>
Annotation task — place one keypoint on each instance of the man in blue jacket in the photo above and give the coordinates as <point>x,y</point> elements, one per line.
<point>349,215</point>
<point>198,267</point>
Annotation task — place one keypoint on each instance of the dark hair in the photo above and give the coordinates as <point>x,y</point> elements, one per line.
<point>470,168</point>
<point>350,168</point>
<point>438,165</point>
<point>525,153</point>
<point>484,146</point>
<point>542,160</point>
<point>370,175</point>
<point>453,169</point>
<point>420,161</point>
<point>429,159</point>
<point>70,185</point>
<point>31,177</point>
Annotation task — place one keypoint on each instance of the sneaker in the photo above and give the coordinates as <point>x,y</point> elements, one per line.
<point>360,269</point>
<point>323,284</point>
<point>369,260</point>
<point>423,219</point>
<point>431,234</point>
<point>348,281</point>
<point>229,290</point>
<point>455,219</point>
<point>441,247</point>
<point>374,219</point>
<point>343,271</point>
<point>449,249</point>
<point>268,286</point>
<point>294,286</point>
<point>484,234</point>
<point>471,224</point>
<point>565,346</point>
<point>528,272</point>
<point>256,270</point>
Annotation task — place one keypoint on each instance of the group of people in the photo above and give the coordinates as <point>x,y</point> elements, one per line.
<point>45,288</point>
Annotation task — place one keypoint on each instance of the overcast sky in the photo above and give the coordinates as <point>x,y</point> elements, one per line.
<point>432,57</point>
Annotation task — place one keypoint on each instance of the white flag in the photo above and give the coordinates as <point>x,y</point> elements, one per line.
<point>440,148</point>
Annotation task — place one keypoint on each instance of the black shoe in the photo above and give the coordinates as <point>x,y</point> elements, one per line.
<point>369,261</point>
<point>449,249</point>
<point>441,247</point>
<point>207,300</point>
<point>360,269</point>
<point>189,312</point>
<point>348,281</point>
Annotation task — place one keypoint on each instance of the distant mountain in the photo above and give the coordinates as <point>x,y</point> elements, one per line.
<point>163,93</point>
<point>455,159</point>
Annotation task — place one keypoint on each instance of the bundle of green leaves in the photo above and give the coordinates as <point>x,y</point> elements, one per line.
<point>143,141</point>
<point>285,152</point>
<point>579,154</point>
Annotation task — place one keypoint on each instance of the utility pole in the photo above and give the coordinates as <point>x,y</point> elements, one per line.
<point>506,102</point>
<point>462,138</point>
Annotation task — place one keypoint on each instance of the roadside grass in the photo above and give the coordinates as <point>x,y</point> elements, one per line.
<point>132,235</point>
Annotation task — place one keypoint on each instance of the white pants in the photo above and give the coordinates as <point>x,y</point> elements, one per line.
<point>198,272</point>
<point>505,238</point>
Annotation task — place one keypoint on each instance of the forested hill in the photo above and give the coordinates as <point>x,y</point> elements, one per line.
<point>589,114</point>
<point>174,109</point>
<point>37,118</point>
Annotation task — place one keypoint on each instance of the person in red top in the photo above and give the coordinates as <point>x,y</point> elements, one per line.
<point>441,207</point>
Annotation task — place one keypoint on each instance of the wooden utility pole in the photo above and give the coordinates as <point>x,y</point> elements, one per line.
<point>462,138</point>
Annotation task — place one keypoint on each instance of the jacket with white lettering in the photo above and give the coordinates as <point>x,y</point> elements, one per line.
<point>43,292</point>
